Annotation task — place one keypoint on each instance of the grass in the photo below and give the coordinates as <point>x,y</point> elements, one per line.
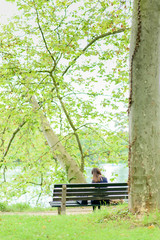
<point>111,223</point>
<point>22,207</point>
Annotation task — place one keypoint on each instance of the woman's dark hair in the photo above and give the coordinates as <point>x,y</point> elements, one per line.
<point>96,175</point>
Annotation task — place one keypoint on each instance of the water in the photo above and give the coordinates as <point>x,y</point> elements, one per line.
<point>113,172</point>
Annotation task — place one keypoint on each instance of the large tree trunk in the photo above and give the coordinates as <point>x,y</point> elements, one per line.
<point>74,174</point>
<point>144,107</point>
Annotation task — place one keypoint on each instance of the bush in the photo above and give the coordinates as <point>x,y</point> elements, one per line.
<point>19,207</point>
<point>4,207</point>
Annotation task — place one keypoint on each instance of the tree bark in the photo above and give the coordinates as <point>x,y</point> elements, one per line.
<point>144,107</point>
<point>73,172</point>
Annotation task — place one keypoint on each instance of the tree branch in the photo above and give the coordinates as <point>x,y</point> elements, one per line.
<point>11,140</point>
<point>43,37</point>
<point>90,43</point>
<point>4,130</point>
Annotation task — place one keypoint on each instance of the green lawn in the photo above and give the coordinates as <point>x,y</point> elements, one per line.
<point>112,223</point>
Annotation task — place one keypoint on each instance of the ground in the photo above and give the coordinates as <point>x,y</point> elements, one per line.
<point>69,211</point>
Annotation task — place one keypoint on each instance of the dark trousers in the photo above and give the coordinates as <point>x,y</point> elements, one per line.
<point>99,203</point>
<point>94,207</point>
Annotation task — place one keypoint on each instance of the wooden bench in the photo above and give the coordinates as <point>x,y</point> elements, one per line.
<point>69,195</point>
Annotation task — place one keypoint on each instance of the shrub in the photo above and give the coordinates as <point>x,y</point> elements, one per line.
<point>4,207</point>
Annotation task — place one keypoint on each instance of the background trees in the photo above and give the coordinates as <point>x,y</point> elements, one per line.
<point>71,56</point>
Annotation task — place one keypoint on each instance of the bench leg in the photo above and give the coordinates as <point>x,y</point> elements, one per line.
<point>59,210</point>
<point>63,201</point>
<point>63,209</point>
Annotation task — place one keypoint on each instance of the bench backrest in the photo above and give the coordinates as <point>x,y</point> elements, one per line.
<point>90,191</point>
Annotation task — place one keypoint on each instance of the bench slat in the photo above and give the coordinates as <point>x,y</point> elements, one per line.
<point>93,198</point>
<point>96,193</point>
<point>72,204</point>
<point>91,189</point>
<point>84,185</point>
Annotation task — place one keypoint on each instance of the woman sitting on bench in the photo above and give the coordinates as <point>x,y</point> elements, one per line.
<point>98,178</point>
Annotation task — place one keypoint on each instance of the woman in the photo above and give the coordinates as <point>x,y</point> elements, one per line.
<point>98,178</point>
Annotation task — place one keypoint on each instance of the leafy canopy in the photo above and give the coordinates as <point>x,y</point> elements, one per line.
<point>72,55</point>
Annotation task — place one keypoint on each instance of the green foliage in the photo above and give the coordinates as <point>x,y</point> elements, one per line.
<point>18,207</point>
<point>72,55</point>
<point>3,207</point>
<point>100,146</point>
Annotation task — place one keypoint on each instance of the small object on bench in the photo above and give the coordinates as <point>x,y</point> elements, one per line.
<point>82,202</point>
<point>85,194</point>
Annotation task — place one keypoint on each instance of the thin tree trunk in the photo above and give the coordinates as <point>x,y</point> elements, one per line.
<point>67,162</point>
<point>144,107</point>
<point>70,123</point>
